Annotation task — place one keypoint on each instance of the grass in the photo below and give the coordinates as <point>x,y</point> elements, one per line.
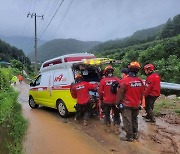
<point>171,106</point>
<point>13,126</point>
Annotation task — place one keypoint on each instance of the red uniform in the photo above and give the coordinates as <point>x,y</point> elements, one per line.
<point>130,92</point>
<point>81,91</point>
<point>152,85</point>
<point>104,90</point>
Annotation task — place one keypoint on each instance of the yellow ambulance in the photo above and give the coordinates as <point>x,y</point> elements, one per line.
<point>52,87</point>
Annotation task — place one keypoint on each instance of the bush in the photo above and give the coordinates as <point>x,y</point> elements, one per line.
<point>12,124</point>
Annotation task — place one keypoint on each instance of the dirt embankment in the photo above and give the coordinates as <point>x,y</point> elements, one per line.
<point>48,133</point>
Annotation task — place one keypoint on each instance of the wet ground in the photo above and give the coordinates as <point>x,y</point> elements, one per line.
<point>48,133</point>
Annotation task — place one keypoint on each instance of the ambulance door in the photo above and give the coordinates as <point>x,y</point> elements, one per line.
<point>60,83</point>
<point>35,89</point>
<point>46,87</point>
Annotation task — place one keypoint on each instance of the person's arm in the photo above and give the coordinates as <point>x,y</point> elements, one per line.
<point>148,86</point>
<point>101,90</point>
<point>73,91</point>
<point>120,94</point>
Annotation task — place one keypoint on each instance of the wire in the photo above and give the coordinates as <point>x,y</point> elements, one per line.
<point>55,2</point>
<point>63,17</point>
<point>25,25</point>
<point>51,19</point>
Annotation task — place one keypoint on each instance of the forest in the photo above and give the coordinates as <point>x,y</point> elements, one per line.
<point>159,45</point>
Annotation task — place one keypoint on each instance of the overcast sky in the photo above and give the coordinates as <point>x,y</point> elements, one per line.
<point>87,20</point>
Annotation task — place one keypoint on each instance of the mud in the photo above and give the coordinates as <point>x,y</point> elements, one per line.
<point>48,133</point>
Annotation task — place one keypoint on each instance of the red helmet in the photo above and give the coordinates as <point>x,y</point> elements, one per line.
<point>134,65</point>
<point>108,68</point>
<point>149,67</point>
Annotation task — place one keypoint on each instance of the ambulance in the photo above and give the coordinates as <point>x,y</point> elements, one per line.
<point>52,87</point>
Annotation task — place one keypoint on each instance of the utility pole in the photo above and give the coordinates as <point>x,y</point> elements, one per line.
<point>35,39</point>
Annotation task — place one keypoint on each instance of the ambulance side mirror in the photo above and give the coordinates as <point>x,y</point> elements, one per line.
<point>31,84</point>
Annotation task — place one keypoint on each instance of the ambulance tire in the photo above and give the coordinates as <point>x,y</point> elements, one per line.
<point>32,103</point>
<point>61,107</point>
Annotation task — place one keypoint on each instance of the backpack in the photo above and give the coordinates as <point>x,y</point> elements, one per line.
<point>114,86</point>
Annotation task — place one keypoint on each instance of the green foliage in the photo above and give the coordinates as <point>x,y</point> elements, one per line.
<point>167,106</point>
<point>164,54</point>
<point>16,64</point>
<point>171,28</point>
<point>159,45</point>
<point>7,53</point>
<point>12,125</point>
<point>5,77</point>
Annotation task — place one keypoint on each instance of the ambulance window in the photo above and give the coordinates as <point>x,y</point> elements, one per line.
<point>37,81</point>
<point>91,75</point>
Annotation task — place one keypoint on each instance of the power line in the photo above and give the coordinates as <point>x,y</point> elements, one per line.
<point>24,29</point>
<point>64,16</point>
<point>51,10</point>
<point>44,13</point>
<point>51,19</point>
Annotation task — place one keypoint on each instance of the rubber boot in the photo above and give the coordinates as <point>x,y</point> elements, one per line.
<point>135,136</point>
<point>125,138</point>
<point>116,129</point>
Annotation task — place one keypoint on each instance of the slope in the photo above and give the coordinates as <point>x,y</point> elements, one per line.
<point>24,43</point>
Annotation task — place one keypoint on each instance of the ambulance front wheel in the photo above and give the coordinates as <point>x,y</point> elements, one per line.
<point>32,103</point>
<point>61,107</point>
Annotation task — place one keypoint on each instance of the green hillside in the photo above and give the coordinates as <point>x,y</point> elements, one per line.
<point>60,47</point>
<point>8,53</point>
<point>14,56</point>
<point>24,43</point>
<point>159,45</point>
<point>140,36</point>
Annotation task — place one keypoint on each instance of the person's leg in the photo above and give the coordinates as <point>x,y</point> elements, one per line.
<point>79,109</point>
<point>147,107</point>
<point>150,107</point>
<point>87,110</point>
<point>135,113</point>
<point>116,120</point>
<point>106,110</point>
<point>127,121</point>
<point>116,115</point>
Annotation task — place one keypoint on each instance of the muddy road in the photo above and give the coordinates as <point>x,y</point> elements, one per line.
<point>48,133</point>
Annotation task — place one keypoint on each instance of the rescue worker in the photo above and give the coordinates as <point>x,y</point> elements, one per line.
<point>20,78</point>
<point>14,80</point>
<point>152,91</point>
<point>108,98</point>
<point>80,90</point>
<point>130,95</point>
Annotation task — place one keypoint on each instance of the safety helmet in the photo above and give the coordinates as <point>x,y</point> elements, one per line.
<point>109,67</point>
<point>78,76</point>
<point>108,71</point>
<point>134,65</point>
<point>149,67</point>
